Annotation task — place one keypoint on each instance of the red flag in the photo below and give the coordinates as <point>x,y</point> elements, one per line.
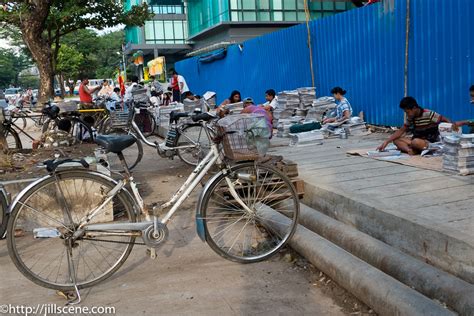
<point>121,84</point>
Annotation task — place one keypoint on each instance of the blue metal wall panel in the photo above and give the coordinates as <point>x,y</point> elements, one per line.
<point>277,61</point>
<point>441,67</point>
<point>363,51</point>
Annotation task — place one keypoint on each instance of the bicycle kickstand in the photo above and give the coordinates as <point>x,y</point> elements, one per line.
<point>72,273</point>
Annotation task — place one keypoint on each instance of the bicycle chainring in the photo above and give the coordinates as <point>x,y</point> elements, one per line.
<point>154,239</point>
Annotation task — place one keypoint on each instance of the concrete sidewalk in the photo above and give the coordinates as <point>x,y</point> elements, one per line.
<point>188,277</point>
<point>425,213</point>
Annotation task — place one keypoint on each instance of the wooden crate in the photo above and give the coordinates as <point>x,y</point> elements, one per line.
<point>288,167</point>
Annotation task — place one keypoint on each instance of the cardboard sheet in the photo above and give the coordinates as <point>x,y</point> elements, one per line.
<point>429,163</point>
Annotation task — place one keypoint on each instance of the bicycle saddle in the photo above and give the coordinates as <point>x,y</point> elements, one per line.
<point>115,143</point>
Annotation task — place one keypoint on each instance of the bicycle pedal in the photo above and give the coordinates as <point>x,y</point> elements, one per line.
<point>151,252</point>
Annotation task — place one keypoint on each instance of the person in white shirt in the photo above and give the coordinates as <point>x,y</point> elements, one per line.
<point>272,100</point>
<point>128,97</point>
<point>183,86</point>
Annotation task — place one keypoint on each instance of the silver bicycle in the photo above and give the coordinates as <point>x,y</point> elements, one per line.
<point>76,227</point>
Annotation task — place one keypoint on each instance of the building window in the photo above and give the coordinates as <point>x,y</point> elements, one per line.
<point>171,7</point>
<point>283,10</point>
<point>165,32</point>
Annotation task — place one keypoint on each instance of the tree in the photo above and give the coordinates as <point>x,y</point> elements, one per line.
<point>11,65</point>
<point>42,23</point>
<point>68,65</point>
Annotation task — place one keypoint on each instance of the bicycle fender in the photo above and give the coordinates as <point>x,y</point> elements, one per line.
<point>23,192</point>
<point>199,214</point>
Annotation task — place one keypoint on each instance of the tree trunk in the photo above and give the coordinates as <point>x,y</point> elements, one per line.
<point>32,27</point>
<point>61,85</point>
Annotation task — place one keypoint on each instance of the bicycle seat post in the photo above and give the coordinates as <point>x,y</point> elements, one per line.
<point>124,164</point>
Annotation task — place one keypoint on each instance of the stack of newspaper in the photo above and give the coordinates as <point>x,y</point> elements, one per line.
<point>458,153</point>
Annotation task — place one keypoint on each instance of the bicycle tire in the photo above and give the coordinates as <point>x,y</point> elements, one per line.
<point>140,120</point>
<point>13,139</point>
<point>47,125</point>
<point>193,133</point>
<point>79,128</point>
<point>133,155</point>
<point>3,215</point>
<point>20,118</point>
<point>21,239</point>
<point>228,209</point>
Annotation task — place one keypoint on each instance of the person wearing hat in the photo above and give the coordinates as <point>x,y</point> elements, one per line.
<point>251,108</point>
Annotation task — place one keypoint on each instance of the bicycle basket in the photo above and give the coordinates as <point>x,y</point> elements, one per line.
<point>119,118</point>
<point>244,136</point>
<point>140,95</point>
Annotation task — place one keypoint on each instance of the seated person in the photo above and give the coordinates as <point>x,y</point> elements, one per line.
<point>155,99</point>
<point>272,100</point>
<point>59,137</point>
<point>423,123</point>
<point>469,123</point>
<point>235,97</point>
<point>106,89</point>
<point>343,107</point>
<point>250,107</point>
<point>188,96</point>
<point>166,99</point>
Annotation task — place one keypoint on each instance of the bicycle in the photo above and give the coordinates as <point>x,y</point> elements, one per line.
<point>4,202</point>
<point>80,130</point>
<point>11,132</point>
<point>188,141</point>
<point>246,213</point>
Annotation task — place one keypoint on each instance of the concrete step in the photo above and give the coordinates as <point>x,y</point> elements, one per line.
<point>452,251</point>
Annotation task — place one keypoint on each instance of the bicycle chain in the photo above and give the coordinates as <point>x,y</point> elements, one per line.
<point>115,242</point>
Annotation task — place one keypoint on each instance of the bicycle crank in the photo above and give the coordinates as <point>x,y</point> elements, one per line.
<point>153,238</point>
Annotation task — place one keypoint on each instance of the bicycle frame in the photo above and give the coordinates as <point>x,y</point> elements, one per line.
<point>175,202</point>
<point>178,198</point>
<point>161,146</point>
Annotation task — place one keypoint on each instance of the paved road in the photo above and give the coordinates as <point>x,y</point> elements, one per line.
<point>187,277</point>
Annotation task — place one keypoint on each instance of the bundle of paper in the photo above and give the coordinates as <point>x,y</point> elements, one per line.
<point>385,153</point>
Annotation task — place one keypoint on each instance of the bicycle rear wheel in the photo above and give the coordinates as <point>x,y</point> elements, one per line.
<point>12,139</point>
<point>19,121</point>
<point>3,213</point>
<point>145,122</point>
<point>49,212</point>
<point>252,235</point>
<point>193,135</point>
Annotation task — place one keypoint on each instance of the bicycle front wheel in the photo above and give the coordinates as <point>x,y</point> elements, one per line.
<point>133,155</point>
<point>258,230</point>
<point>199,144</point>
<point>46,215</point>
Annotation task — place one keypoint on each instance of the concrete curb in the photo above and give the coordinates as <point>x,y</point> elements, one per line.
<point>426,279</point>
<point>450,254</point>
<point>383,293</point>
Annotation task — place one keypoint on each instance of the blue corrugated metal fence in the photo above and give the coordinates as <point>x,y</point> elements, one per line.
<point>363,51</point>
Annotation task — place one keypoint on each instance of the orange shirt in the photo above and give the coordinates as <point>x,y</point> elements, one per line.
<point>83,95</point>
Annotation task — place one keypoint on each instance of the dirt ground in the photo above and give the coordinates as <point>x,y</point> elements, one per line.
<point>187,277</point>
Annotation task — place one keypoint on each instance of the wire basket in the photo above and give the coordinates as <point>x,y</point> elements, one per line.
<point>244,136</point>
<point>119,119</point>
